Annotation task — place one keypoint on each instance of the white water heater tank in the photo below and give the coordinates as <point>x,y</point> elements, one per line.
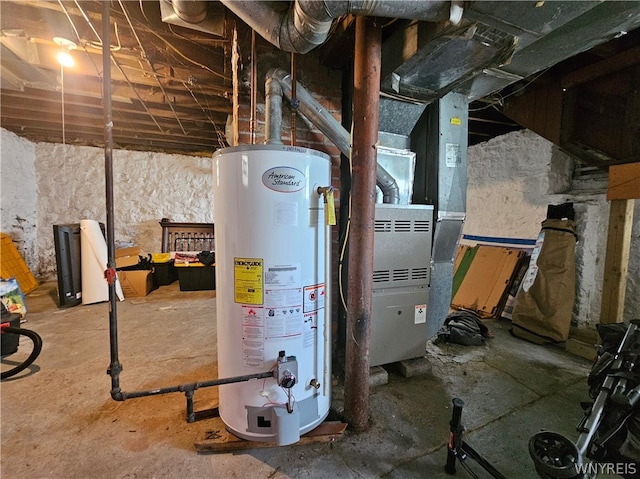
<point>270,289</point>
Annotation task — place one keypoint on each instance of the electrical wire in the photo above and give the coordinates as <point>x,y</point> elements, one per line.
<point>143,12</point>
<point>84,43</point>
<point>189,59</point>
<point>84,48</point>
<point>70,21</point>
<point>291,399</point>
<point>93,44</point>
<point>221,137</point>
<point>209,41</point>
<point>64,138</point>
<point>124,74</point>
<point>135,90</point>
<point>346,233</point>
<point>292,128</point>
<point>153,70</point>
<point>35,352</point>
<point>98,44</point>
<point>500,101</point>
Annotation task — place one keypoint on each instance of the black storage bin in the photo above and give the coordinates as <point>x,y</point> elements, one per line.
<point>196,278</point>
<point>164,273</point>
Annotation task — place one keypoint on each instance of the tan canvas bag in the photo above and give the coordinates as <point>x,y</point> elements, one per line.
<point>544,302</point>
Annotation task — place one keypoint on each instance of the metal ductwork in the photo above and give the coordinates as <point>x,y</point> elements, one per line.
<point>189,10</point>
<point>279,83</point>
<point>198,15</point>
<point>492,45</point>
<point>306,24</point>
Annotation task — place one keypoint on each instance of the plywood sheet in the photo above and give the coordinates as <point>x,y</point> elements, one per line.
<point>218,439</point>
<point>624,182</point>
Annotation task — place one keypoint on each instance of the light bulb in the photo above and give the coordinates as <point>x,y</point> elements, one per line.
<point>64,56</point>
<point>65,59</point>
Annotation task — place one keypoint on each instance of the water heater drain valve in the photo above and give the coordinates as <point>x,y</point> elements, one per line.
<point>286,370</point>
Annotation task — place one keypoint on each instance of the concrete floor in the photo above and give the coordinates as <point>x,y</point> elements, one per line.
<point>58,420</point>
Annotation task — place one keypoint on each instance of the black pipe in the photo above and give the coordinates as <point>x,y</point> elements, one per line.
<point>114,367</point>
<point>187,387</point>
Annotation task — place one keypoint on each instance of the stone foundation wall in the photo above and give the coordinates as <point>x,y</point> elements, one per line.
<point>60,184</point>
<point>512,179</point>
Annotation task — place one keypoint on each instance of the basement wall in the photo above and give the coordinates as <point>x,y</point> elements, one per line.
<point>58,184</point>
<point>512,179</point>
<point>18,199</point>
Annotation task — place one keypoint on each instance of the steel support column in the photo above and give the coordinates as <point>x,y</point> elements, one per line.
<point>368,45</point>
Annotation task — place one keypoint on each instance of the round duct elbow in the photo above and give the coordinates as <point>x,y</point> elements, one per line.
<point>191,11</point>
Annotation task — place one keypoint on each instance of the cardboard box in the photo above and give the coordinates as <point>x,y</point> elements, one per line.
<point>127,256</point>
<point>486,284</point>
<point>136,283</point>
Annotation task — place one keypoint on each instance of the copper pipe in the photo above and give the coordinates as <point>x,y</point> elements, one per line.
<point>293,99</point>
<point>368,45</point>
<point>254,88</point>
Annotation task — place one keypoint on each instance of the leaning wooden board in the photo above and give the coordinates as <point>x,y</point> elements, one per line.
<point>218,439</point>
<point>485,285</point>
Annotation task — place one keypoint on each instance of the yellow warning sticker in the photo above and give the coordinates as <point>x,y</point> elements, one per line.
<point>456,121</point>
<point>248,282</point>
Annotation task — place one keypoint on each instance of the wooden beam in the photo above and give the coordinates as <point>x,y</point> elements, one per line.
<point>601,68</point>
<point>616,261</point>
<point>540,110</point>
<point>624,182</point>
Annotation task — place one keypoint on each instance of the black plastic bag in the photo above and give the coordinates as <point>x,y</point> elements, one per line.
<point>207,258</point>
<point>463,327</point>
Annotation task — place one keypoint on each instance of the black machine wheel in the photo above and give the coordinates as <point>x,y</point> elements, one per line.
<point>554,456</point>
<point>37,347</point>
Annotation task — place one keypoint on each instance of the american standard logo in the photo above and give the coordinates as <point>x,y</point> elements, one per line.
<point>284,179</point>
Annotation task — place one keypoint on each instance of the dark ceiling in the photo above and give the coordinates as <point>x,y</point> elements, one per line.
<point>171,85</point>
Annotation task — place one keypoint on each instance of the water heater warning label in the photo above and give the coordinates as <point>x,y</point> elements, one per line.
<point>313,297</point>
<point>283,302</point>
<point>247,280</point>
<point>253,336</point>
